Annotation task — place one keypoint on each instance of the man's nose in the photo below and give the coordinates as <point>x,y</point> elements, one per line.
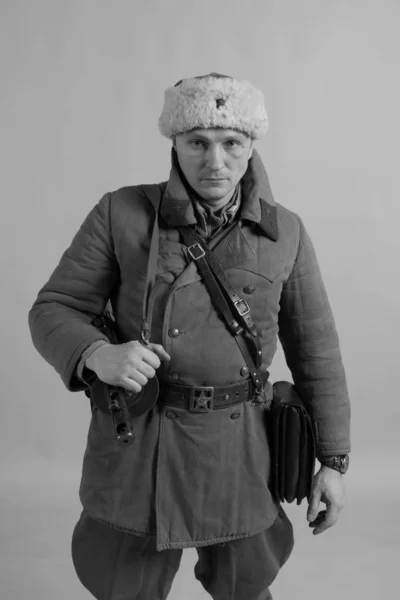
<point>214,159</point>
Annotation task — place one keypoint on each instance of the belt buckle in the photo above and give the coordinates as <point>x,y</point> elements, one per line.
<point>245,307</point>
<point>196,251</point>
<point>201,399</point>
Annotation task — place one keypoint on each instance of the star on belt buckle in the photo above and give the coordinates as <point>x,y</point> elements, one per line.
<point>201,399</point>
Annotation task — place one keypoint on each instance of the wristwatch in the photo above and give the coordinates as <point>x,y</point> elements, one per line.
<point>338,463</point>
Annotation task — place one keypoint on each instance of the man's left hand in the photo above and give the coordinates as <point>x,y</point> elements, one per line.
<point>328,487</point>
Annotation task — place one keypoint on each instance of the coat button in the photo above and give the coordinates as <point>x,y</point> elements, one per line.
<point>174,376</point>
<point>170,414</point>
<point>173,332</point>
<point>235,415</point>
<point>249,289</point>
<point>244,371</point>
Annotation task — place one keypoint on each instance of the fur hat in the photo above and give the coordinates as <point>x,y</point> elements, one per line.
<point>213,100</point>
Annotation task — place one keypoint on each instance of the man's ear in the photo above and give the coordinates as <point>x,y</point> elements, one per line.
<point>251,149</point>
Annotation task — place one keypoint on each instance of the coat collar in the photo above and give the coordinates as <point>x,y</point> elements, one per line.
<point>258,204</point>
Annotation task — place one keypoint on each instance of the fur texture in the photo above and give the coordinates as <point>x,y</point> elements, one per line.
<point>213,101</point>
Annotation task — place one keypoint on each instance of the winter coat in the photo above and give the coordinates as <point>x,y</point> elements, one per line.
<point>193,479</point>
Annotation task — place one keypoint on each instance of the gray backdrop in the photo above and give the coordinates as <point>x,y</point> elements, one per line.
<point>82,89</point>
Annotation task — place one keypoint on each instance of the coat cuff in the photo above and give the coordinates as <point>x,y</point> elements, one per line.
<point>72,382</point>
<point>85,355</point>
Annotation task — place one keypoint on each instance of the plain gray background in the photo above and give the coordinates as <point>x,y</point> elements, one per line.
<point>82,89</point>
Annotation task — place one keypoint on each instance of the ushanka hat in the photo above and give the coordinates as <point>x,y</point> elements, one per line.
<point>213,100</point>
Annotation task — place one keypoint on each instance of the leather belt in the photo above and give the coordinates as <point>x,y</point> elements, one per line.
<point>205,398</point>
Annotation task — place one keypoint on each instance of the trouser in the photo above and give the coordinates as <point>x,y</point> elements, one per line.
<point>114,565</point>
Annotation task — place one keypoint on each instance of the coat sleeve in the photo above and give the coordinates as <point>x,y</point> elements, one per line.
<point>77,292</point>
<point>310,343</point>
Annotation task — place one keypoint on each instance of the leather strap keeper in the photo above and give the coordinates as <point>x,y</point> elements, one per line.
<point>205,398</point>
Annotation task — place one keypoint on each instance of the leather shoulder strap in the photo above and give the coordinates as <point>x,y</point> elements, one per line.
<point>154,193</point>
<point>233,309</point>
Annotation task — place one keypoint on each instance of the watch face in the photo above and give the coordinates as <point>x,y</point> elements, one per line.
<point>340,463</point>
<point>345,463</point>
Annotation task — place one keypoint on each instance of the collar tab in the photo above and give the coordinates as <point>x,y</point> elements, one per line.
<point>269,220</point>
<point>178,213</point>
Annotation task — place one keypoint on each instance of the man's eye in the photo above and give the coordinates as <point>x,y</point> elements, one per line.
<point>232,143</point>
<point>196,143</point>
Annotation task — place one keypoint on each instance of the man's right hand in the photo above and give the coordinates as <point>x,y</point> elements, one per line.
<point>128,365</point>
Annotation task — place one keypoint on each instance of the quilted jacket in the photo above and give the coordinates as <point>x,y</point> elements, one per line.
<point>193,479</point>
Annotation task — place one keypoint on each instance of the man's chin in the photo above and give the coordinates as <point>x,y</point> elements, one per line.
<point>217,192</point>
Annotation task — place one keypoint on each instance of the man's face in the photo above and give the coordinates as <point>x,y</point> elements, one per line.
<point>213,160</point>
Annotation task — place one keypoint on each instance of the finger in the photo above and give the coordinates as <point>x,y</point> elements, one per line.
<point>313,506</point>
<point>136,375</point>
<point>318,520</point>
<point>144,353</point>
<point>145,369</point>
<point>332,515</point>
<point>131,385</point>
<point>159,350</point>
<point>150,357</point>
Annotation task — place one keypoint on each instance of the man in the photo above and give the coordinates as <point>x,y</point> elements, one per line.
<point>197,474</point>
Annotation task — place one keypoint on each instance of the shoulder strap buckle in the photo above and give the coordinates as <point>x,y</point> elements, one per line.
<point>242,307</point>
<point>196,251</point>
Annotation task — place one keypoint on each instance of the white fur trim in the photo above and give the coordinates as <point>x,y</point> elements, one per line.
<point>193,105</point>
